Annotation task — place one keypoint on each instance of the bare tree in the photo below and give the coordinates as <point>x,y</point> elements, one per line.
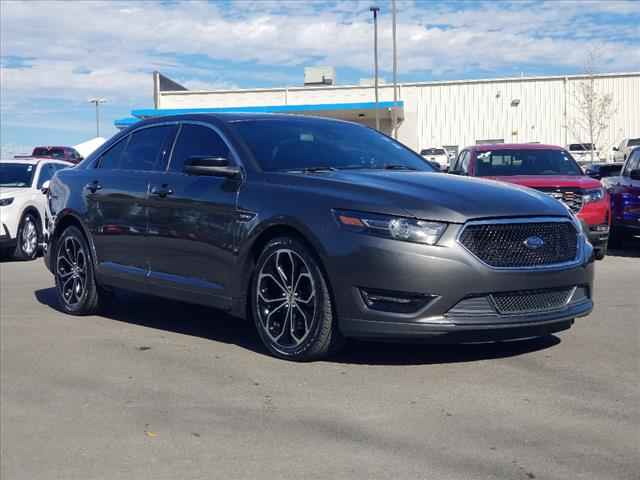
<point>593,108</point>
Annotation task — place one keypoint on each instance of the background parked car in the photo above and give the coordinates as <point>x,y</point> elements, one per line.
<point>23,185</point>
<point>622,151</point>
<point>583,152</point>
<point>602,170</point>
<point>68,154</point>
<point>550,169</point>
<point>625,198</point>
<point>438,155</point>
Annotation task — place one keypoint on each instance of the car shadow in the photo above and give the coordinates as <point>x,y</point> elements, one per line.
<point>629,248</point>
<point>211,324</point>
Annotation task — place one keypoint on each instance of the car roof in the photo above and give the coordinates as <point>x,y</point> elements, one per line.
<point>240,117</point>
<point>33,160</point>
<point>485,147</point>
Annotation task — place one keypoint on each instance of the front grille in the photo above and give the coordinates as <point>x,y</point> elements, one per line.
<point>517,245</point>
<point>571,197</point>
<point>531,301</point>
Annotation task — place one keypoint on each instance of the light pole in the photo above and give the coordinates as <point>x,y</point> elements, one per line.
<point>375,11</point>
<point>394,112</point>
<point>97,101</point>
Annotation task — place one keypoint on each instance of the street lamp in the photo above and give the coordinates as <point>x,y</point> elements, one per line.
<point>375,11</point>
<point>97,101</point>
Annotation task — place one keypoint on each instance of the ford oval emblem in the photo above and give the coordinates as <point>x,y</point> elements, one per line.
<point>534,242</point>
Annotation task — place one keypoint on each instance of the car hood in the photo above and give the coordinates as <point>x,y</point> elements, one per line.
<point>550,181</point>
<point>432,196</point>
<point>13,191</point>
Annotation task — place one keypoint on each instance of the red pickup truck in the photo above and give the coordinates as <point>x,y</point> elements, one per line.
<point>550,169</point>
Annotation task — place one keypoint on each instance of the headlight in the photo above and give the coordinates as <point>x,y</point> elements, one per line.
<point>397,228</point>
<point>593,195</point>
<point>6,201</point>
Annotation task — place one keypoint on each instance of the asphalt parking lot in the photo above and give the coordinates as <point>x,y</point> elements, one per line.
<point>161,390</point>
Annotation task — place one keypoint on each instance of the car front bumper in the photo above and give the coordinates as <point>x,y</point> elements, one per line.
<point>445,275</point>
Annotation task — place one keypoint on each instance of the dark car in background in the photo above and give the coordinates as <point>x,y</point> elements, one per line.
<point>602,170</point>
<point>317,230</point>
<point>68,154</point>
<point>625,198</point>
<point>547,168</point>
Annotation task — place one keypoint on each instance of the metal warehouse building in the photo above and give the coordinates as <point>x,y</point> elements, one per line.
<point>451,114</point>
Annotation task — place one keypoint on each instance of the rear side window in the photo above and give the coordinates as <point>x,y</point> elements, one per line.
<point>111,159</point>
<point>633,142</point>
<point>148,149</point>
<point>197,141</point>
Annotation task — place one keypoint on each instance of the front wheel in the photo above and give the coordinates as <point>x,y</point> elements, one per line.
<point>73,269</point>
<point>28,238</point>
<point>291,303</point>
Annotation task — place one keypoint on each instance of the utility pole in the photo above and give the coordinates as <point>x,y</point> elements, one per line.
<point>375,11</point>
<point>97,101</point>
<point>394,111</point>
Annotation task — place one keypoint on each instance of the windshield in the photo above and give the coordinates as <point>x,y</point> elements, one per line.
<point>581,147</point>
<point>48,152</point>
<point>525,162</point>
<point>16,174</point>
<point>634,142</point>
<point>433,151</point>
<point>300,144</point>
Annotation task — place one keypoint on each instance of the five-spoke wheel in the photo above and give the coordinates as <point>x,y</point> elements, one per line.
<point>75,283</point>
<point>291,302</point>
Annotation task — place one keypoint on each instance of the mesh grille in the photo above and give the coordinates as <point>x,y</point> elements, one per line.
<point>531,301</point>
<point>571,198</point>
<point>504,245</point>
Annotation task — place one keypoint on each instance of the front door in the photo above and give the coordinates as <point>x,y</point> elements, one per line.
<point>192,221</point>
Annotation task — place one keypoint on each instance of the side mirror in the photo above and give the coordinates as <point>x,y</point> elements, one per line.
<point>211,166</point>
<point>635,174</point>
<point>615,149</point>
<point>45,187</point>
<point>593,174</point>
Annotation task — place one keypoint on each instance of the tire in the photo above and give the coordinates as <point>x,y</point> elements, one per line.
<point>600,253</point>
<point>295,294</point>
<point>76,287</point>
<point>28,238</point>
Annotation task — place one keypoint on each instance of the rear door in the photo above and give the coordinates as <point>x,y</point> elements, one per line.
<point>192,221</point>
<point>116,197</point>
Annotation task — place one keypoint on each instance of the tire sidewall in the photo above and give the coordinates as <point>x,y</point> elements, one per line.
<point>90,286</point>
<point>299,352</point>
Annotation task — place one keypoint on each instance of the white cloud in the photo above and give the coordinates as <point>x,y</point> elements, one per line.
<point>83,48</point>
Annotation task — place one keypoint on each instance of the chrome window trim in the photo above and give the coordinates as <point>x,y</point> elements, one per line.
<point>553,266</point>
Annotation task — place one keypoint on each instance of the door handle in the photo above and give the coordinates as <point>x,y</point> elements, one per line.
<point>162,191</point>
<point>93,187</point>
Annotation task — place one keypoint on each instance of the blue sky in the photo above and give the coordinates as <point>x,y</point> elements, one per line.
<point>57,54</point>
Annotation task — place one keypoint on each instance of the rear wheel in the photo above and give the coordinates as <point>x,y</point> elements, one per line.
<point>291,303</point>
<point>74,275</point>
<point>28,238</point>
<point>600,252</point>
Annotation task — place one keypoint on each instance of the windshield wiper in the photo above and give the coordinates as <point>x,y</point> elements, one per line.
<point>395,166</point>
<point>313,169</point>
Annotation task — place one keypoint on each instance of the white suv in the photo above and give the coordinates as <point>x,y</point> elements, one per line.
<point>622,151</point>
<point>23,188</point>
<point>437,155</point>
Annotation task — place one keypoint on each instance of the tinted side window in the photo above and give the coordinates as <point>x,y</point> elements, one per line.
<point>634,161</point>
<point>111,159</point>
<point>148,149</point>
<point>197,141</point>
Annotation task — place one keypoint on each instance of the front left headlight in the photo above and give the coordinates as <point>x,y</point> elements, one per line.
<point>594,195</point>
<point>396,228</point>
<point>6,201</point>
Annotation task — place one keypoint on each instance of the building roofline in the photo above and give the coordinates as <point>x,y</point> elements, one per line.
<point>404,84</point>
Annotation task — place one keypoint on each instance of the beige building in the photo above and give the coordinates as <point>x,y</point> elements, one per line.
<point>451,114</point>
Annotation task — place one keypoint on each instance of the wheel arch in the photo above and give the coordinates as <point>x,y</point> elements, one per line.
<point>255,247</point>
<point>64,220</point>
